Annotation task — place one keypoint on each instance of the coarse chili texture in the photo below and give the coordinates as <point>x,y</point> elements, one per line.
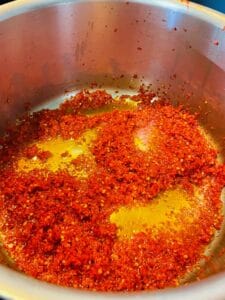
<point>73,178</point>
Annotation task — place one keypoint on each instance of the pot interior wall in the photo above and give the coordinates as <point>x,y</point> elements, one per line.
<point>118,45</point>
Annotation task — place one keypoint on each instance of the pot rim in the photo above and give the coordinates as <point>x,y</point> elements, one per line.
<point>15,285</point>
<point>209,15</point>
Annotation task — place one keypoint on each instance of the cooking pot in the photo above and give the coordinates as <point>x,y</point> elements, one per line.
<point>51,49</point>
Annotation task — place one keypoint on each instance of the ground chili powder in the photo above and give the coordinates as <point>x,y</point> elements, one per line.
<point>56,227</point>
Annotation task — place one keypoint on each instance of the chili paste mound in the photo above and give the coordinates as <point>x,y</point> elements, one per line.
<point>109,194</point>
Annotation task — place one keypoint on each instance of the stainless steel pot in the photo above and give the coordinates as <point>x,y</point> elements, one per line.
<point>48,47</point>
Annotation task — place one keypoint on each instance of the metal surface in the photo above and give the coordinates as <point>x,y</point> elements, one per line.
<point>47,47</point>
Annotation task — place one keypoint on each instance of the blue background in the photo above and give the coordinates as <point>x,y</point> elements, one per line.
<point>215,4</point>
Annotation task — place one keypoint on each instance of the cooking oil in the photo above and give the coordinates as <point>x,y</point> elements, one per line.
<point>63,152</point>
<point>172,210</point>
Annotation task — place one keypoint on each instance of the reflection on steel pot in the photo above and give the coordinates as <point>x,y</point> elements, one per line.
<point>50,48</point>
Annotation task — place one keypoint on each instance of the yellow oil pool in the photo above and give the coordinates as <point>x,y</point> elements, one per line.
<point>126,104</point>
<point>58,161</point>
<point>172,210</point>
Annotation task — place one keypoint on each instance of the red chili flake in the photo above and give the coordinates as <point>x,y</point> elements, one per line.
<point>31,151</point>
<point>7,100</point>
<point>85,100</point>
<point>93,85</point>
<point>174,76</point>
<point>116,29</point>
<point>44,155</point>
<point>56,226</point>
<point>216,43</point>
<point>65,154</point>
<point>139,48</point>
